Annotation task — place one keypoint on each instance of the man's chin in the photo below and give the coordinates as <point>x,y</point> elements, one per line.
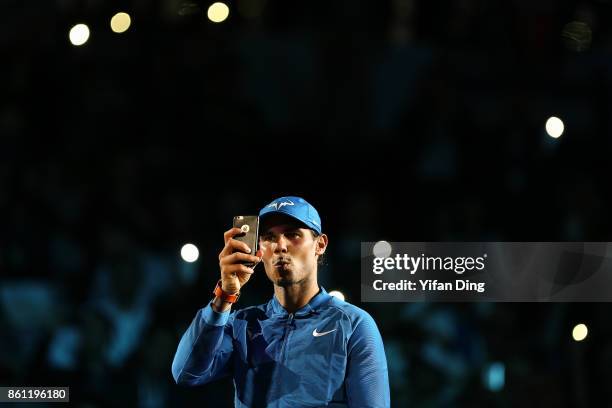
<point>287,281</point>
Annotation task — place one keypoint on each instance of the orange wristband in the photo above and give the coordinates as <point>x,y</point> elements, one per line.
<point>224,296</point>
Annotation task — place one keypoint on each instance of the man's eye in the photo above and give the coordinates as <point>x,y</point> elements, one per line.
<point>266,237</point>
<point>293,234</point>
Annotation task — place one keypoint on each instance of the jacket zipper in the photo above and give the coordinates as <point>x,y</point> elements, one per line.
<point>287,328</point>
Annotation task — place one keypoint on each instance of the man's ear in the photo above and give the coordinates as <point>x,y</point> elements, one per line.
<point>322,242</point>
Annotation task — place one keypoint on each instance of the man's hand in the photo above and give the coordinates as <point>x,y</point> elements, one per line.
<point>233,273</point>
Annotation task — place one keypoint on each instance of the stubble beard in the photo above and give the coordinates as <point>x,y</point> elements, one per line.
<point>287,282</point>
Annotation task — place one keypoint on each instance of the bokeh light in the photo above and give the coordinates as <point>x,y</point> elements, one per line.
<point>79,34</point>
<point>554,127</point>
<point>218,12</point>
<point>337,293</point>
<point>120,22</point>
<point>382,249</point>
<point>190,253</point>
<point>580,332</point>
<point>495,376</point>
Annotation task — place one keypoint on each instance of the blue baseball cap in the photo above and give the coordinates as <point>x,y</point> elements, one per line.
<point>294,207</point>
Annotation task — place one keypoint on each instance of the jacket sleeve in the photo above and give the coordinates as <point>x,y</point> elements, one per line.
<point>205,350</point>
<point>367,382</point>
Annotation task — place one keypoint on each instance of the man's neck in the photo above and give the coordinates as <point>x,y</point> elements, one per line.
<point>294,297</point>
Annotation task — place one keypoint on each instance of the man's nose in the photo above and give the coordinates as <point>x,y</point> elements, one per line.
<point>281,244</point>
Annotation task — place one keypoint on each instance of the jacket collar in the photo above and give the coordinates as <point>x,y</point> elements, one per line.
<point>317,301</point>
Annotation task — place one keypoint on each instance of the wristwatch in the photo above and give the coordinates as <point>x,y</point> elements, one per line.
<point>224,296</point>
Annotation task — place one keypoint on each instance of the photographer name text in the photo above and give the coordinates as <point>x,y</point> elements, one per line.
<point>430,285</point>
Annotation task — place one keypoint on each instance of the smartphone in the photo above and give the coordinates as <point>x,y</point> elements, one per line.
<point>249,225</point>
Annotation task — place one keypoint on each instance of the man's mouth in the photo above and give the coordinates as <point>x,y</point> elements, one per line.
<point>282,263</point>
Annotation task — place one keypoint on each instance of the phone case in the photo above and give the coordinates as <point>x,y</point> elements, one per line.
<point>249,224</point>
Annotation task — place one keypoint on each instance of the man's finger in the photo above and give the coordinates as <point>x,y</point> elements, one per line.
<point>236,269</point>
<point>231,233</point>
<point>234,245</point>
<point>238,257</point>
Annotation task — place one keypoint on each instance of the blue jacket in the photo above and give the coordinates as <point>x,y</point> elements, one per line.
<point>328,353</point>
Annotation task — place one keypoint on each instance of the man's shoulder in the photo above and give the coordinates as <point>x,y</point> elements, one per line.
<point>363,325</point>
<point>353,312</point>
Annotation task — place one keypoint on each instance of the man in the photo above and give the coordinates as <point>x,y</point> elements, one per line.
<point>304,348</point>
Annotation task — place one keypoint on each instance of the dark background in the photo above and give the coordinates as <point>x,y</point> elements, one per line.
<point>404,120</point>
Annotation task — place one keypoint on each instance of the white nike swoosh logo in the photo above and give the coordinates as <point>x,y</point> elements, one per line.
<point>317,334</point>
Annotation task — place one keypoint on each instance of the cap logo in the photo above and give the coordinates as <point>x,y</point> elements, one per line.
<point>277,206</point>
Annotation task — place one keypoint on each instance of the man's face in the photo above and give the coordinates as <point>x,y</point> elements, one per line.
<point>289,251</point>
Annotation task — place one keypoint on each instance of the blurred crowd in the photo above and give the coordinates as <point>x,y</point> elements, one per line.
<point>402,120</point>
